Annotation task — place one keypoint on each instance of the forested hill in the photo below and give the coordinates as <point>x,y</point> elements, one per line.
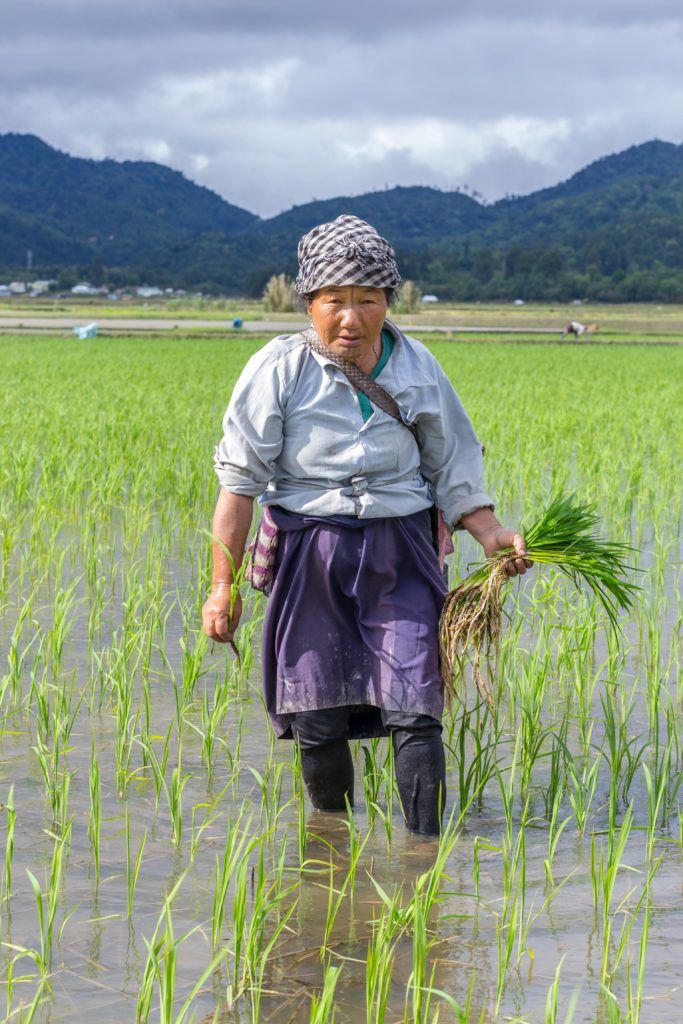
<point>102,206</point>
<point>612,231</point>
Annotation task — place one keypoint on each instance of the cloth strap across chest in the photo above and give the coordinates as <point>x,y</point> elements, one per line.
<point>361,381</point>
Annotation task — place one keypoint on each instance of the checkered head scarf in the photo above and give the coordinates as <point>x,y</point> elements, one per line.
<point>345,251</point>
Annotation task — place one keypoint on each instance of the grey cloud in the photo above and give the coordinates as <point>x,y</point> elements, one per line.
<point>271,103</point>
<point>357,19</point>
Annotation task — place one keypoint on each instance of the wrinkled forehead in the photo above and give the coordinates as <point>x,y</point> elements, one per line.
<point>346,289</point>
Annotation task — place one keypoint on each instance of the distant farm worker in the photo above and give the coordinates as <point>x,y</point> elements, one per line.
<point>349,433</point>
<point>578,329</point>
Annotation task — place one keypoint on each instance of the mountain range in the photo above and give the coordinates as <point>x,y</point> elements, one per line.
<point>614,230</point>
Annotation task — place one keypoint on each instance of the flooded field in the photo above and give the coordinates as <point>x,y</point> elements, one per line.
<point>158,857</point>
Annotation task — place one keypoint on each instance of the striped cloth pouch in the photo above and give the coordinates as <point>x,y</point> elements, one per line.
<point>444,541</point>
<point>262,552</point>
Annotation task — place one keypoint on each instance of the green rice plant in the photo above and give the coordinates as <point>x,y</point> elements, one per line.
<point>211,816</point>
<point>9,847</point>
<point>213,714</point>
<point>388,785</point>
<point>299,797</point>
<point>174,795</point>
<point>237,849</point>
<point>322,1005</point>
<point>132,866</point>
<point>481,843</point>
<point>584,682</point>
<point>161,960</point>
<point>158,766</point>
<point>510,921</point>
<point>552,1003</point>
<point>246,641</point>
<point>270,789</point>
<point>65,708</point>
<point>192,670</point>
<point>266,927</point>
<point>475,767</point>
<point>48,762</point>
<point>262,963</point>
<point>162,957</point>
<point>17,654</point>
<point>47,902</point>
<point>119,666</point>
<point>336,897</point>
<point>604,870</point>
<point>507,790</point>
<point>561,536</point>
<point>582,785</point>
<point>356,845</point>
<point>250,933</point>
<point>95,818</point>
<point>461,1013</point>
<point>371,778</point>
<point>380,960</point>
<point>419,990</point>
<point>125,526</point>
<point>662,788</point>
<point>62,610</point>
<point>621,751</point>
<point>385,815</point>
<point>41,995</point>
<point>531,684</point>
<point>555,830</point>
<point>635,998</point>
<point>553,792</point>
<point>621,943</point>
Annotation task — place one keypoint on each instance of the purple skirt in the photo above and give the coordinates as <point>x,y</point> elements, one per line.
<point>352,620</point>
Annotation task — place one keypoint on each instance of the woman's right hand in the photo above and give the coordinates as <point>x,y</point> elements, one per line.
<point>217,622</point>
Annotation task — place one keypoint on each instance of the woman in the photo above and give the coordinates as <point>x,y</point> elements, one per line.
<point>350,643</point>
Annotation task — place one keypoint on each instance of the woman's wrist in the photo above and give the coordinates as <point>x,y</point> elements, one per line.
<point>480,524</point>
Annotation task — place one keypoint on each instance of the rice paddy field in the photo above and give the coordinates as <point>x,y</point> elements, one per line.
<point>159,860</point>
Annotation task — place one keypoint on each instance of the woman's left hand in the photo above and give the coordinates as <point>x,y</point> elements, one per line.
<point>499,538</point>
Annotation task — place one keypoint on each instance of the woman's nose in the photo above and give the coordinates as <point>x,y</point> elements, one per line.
<point>350,314</point>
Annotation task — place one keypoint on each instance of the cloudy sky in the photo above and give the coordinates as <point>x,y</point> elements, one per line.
<point>276,102</point>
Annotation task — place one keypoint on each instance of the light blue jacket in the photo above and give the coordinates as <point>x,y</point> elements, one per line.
<point>294,435</point>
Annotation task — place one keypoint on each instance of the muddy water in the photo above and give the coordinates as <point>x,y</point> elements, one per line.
<point>100,953</point>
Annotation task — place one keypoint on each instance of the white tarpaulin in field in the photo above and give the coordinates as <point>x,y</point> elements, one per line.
<point>89,331</point>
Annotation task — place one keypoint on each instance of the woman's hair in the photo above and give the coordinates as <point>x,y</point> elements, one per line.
<point>390,294</point>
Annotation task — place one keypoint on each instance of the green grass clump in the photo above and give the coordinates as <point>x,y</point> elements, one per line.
<point>561,536</point>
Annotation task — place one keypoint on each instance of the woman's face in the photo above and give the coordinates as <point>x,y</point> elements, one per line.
<point>349,319</point>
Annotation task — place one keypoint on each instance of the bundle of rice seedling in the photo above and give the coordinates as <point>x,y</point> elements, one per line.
<point>470,624</point>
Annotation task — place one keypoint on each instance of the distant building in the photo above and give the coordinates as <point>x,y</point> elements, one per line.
<point>149,293</point>
<point>519,302</point>
<point>430,298</point>
<point>84,289</point>
<point>40,287</point>
<point>4,291</point>
<point>17,287</point>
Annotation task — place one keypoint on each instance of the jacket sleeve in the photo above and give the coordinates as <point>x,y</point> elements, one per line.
<point>252,428</point>
<point>451,456</point>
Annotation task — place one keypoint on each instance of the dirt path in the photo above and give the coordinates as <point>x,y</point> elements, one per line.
<point>29,324</point>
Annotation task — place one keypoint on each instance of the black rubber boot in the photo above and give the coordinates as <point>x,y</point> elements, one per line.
<point>328,774</point>
<point>420,768</point>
